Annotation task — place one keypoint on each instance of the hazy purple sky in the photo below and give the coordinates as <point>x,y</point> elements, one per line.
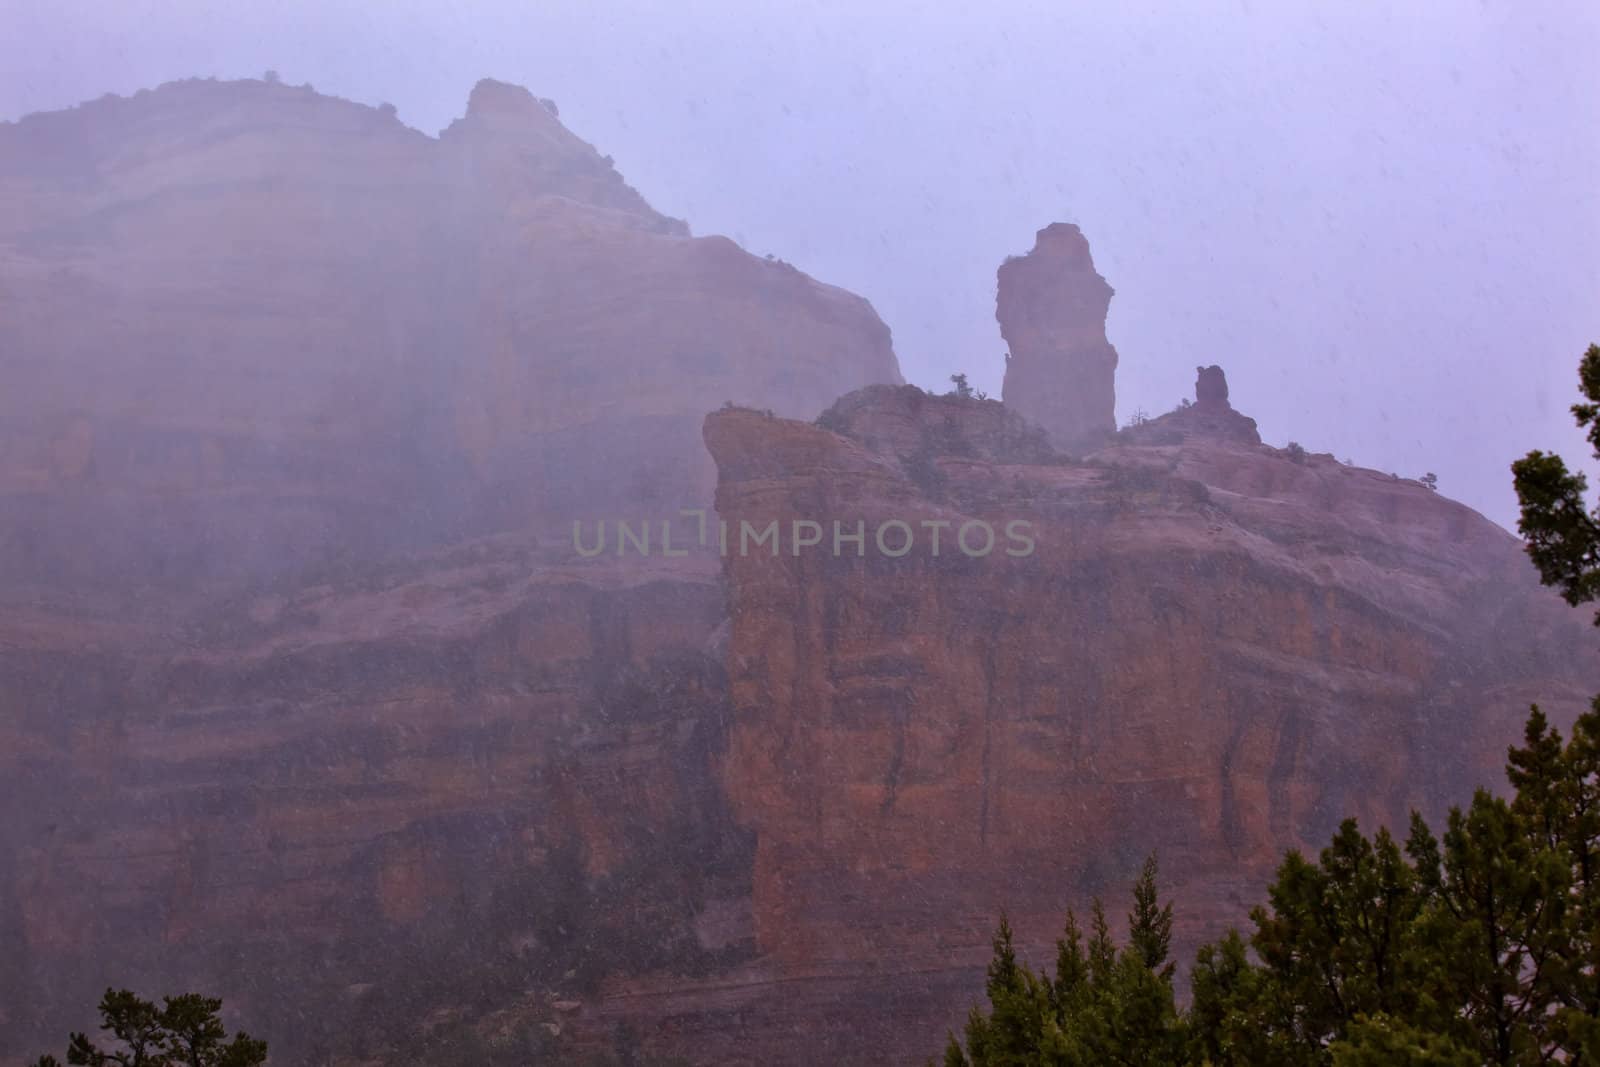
<point>1386,227</point>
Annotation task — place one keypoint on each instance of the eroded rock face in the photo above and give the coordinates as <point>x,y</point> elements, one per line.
<point>358,808</point>
<point>247,327</point>
<point>1061,372</point>
<point>719,810</point>
<point>280,717</point>
<point>1215,652</point>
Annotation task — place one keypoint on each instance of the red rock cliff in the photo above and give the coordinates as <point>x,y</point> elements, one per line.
<point>1216,651</point>
<point>417,785</point>
<point>282,713</point>
<point>246,327</point>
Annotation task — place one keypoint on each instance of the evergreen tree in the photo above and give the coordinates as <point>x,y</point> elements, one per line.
<point>1474,946</point>
<point>1562,535</point>
<point>1150,924</point>
<point>185,1032</point>
<point>1383,1041</point>
<point>1072,969</point>
<point>1103,1005</point>
<point>1238,1016</point>
<point>1496,921</point>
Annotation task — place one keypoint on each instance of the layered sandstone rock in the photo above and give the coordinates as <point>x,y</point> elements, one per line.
<point>275,719</point>
<point>1061,370</point>
<point>247,327</point>
<point>502,793</point>
<point>364,808</point>
<point>1216,652</point>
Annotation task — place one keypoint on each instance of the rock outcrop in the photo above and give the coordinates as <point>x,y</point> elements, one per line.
<point>1060,373</point>
<point>1211,388</point>
<point>1209,416</point>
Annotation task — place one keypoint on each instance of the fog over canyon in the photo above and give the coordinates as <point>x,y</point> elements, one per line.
<point>318,694</point>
